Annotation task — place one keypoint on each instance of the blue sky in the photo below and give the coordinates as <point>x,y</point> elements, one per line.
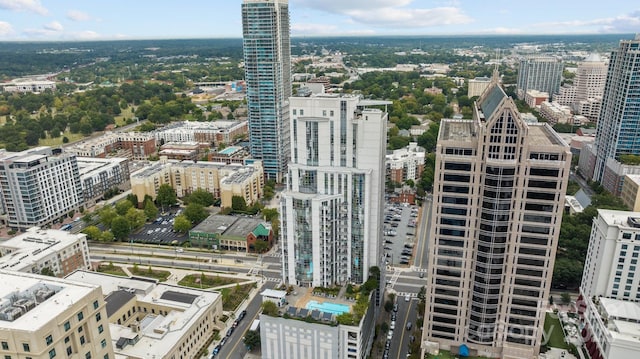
<point>43,20</point>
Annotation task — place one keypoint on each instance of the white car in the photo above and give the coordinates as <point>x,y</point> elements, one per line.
<point>390,335</point>
<point>393,325</point>
<point>407,298</point>
<point>179,250</point>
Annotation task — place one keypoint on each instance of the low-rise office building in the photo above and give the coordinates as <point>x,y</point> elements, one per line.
<point>232,233</point>
<point>44,317</point>
<point>45,250</point>
<point>630,194</point>
<point>189,151</point>
<point>149,320</point>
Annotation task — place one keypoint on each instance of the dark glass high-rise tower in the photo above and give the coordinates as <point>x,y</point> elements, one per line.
<point>267,64</point>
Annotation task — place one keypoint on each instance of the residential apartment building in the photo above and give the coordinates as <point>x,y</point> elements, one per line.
<point>589,82</point>
<point>332,207</point>
<point>405,163</point>
<point>610,289</point>
<point>498,200</point>
<point>98,175</point>
<point>212,133</point>
<point>477,86</point>
<point>630,193</point>
<point>229,155</point>
<point>554,112</point>
<point>223,181</point>
<point>293,337</point>
<point>155,320</point>
<point>617,130</point>
<point>131,145</point>
<point>45,317</point>
<point>41,250</point>
<point>38,186</point>
<point>267,65</point>
<point>539,73</point>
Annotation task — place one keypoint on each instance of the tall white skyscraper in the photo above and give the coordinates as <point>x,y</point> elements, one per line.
<point>498,200</point>
<point>539,73</point>
<point>618,130</point>
<point>267,67</point>
<point>332,208</point>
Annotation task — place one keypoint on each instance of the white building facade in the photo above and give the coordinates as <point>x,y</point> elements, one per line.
<point>332,208</point>
<point>610,288</point>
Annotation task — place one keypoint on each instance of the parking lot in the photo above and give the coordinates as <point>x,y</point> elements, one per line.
<point>399,233</point>
<point>160,231</point>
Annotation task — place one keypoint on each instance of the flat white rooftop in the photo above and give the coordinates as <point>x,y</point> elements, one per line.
<point>51,296</point>
<point>158,333</point>
<point>29,248</point>
<point>612,217</point>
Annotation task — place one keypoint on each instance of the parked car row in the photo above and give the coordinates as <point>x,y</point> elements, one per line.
<point>230,331</point>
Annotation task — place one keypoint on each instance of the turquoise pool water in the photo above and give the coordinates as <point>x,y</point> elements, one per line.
<point>328,307</point>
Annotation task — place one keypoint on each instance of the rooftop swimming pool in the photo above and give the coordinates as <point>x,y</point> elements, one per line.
<point>328,307</point>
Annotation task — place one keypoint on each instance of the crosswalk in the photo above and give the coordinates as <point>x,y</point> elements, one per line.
<point>271,279</point>
<point>406,294</point>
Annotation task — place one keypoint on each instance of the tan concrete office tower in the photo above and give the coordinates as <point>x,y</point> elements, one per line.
<point>498,199</point>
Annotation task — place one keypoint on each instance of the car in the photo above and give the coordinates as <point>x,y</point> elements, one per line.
<point>164,229</point>
<point>390,335</point>
<point>395,307</point>
<point>387,248</point>
<point>150,231</point>
<point>235,323</point>
<point>393,325</point>
<point>408,245</point>
<point>230,331</point>
<point>394,224</point>
<point>412,339</point>
<point>179,250</point>
<point>407,298</point>
<point>223,341</point>
<point>409,326</point>
<point>404,261</point>
<point>387,344</point>
<point>388,241</point>
<point>393,315</point>
<point>421,274</point>
<point>158,229</point>
<point>242,314</point>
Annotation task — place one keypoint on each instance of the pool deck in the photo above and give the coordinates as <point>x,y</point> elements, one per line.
<point>304,295</point>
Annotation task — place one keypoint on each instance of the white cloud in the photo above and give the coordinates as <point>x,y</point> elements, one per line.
<point>619,24</point>
<point>390,13</point>
<point>5,28</point>
<point>24,5</point>
<point>77,15</point>
<point>309,29</point>
<point>53,26</point>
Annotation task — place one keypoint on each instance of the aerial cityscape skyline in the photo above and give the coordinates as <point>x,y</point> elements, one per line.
<point>73,20</point>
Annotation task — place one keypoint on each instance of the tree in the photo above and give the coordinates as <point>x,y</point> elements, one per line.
<point>238,204</point>
<point>47,271</point>
<point>181,224</point>
<point>195,213</point>
<point>388,306</point>
<point>269,308</point>
<point>201,197</point>
<point>261,246</point>
<point>166,196</point>
<point>107,214</point>
<point>107,236</point>
<point>269,214</point>
<point>565,297</point>
<point>150,210</point>
<point>136,218</point>
<point>93,233</point>
<point>252,339</point>
<point>123,206</point>
<point>120,227</point>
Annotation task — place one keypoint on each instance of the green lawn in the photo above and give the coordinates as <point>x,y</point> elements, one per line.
<point>205,281</point>
<point>111,269</point>
<point>58,140</point>
<point>232,297</point>
<point>553,332</point>
<point>160,275</point>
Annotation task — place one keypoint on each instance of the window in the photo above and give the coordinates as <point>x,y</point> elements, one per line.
<point>98,317</point>
<point>95,304</point>
<point>106,356</point>
<point>52,353</point>
<point>66,340</point>
<point>80,316</point>
<point>67,326</point>
<point>5,346</point>
<point>69,351</point>
<point>79,329</point>
<point>7,357</point>
<point>82,341</point>
<point>103,343</point>
<point>100,328</point>
<point>88,355</point>
<point>49,339</point>
<point>25,347</point>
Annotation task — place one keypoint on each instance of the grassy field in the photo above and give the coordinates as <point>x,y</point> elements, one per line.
<point>160,275</point>
<point>58,140</point>
<point>205,282</point>
<point>232,297</point>
<point>111,269</point>
<point>553,332</point>
<point>121,119</point>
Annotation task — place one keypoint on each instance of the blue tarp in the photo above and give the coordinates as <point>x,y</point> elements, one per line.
<point>463,351</point>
